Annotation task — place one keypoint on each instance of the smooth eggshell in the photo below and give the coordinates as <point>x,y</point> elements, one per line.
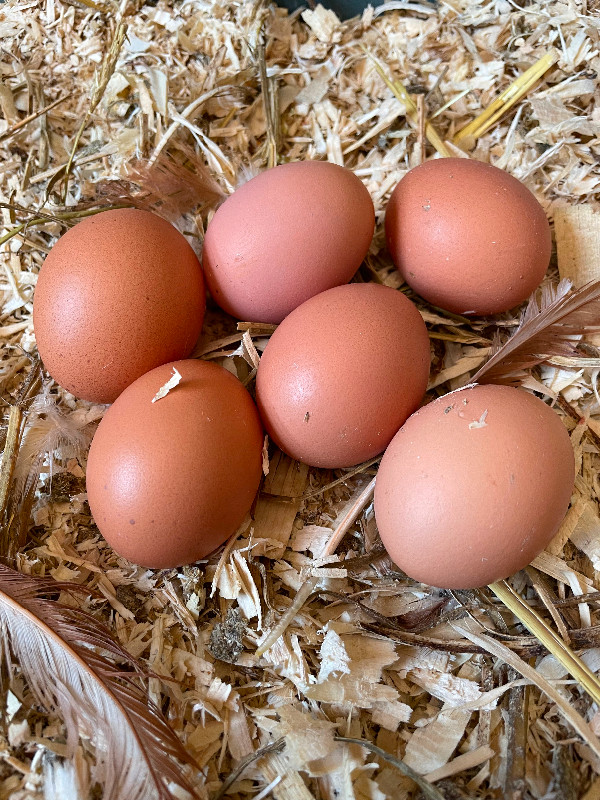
<point>118,294</point>
<point>341,374</point>
<point>170,481</point>
<point>468,237</point>
<point>474,486</point>
<point>288,234</point>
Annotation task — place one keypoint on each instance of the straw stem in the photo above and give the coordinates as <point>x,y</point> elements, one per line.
<point>412,112</point>
<point>551,641</point>
<point>507,99</point>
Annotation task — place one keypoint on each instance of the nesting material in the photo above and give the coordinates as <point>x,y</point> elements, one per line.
<point>104,103</point>
<point>578,242</point>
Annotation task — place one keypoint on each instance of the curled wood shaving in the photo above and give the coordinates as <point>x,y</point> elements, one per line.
<point>191,88</point>
<point>428,790</point>
<point>170,384</point>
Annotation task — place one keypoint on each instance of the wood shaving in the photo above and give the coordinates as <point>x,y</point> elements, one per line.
<point>369,654</point>
<point>170,384</point>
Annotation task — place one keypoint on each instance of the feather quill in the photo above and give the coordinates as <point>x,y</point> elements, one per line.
<point>551,324</point>
<point>71,664</point>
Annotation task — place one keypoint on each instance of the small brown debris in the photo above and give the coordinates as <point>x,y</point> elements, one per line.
<point>226,637</point>
<point>129,597</point>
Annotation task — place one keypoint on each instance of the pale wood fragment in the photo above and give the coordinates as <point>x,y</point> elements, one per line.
<point>577,230</point>
<point>291,787</point>
<point>276,510</point>
<point>562,536</point>
<point>461,763</point>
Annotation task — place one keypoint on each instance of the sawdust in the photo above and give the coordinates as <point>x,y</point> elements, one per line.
<point>370,654</point>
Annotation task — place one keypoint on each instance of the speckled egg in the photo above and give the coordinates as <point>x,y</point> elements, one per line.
<point>466,236</point>
<point>288,234</point>
<point>474,486</point>
<point>118,294</point>
<point>169,481</point>
<point>341,374</point>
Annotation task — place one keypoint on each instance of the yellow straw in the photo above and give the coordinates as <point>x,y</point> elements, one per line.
<point>505,101</point>
<point>401,93</point>
<point>551,641</point>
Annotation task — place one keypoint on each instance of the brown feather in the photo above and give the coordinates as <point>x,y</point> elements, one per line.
<point>50,432</point>
<point>75,668</point>
<point>550,325</point>
<point>171,187</point>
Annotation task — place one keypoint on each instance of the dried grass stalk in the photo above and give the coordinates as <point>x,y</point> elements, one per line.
<point>412,112</point>
<point>429,791</point>
<point>553,643</point>
<point>507,99</point>
<point>108,67</point>
<point>502,652</point>
<point>347,519</point>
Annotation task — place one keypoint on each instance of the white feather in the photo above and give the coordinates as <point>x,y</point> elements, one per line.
<point>60,780</point>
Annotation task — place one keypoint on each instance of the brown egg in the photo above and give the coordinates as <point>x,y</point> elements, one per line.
<point>466,236</point>
<point>474,486</point>
<point>170,481</point>
<point>286,235</point>
<point>341,374</point>
<point>119,294</point>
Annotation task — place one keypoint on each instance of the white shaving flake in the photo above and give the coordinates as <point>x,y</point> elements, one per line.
<point>480,423</point>
<point>170,384</point>
<point>334,657</point>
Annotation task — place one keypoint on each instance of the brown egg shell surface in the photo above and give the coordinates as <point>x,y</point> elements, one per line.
<point>474,486</point>
<point>289,233</point>
<point>468,237</point>
<point>118,294</point>
<point>341,374</point>
<point>170,481</point>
